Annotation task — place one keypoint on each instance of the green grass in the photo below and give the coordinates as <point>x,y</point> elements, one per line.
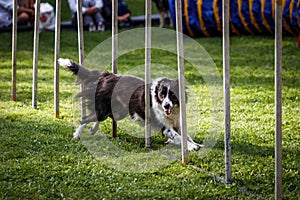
<point>40,161</point>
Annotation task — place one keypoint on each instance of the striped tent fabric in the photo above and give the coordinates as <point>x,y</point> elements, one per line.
<point>204,17</point>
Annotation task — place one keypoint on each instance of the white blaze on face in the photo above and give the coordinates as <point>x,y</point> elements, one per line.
<point>167,103</point>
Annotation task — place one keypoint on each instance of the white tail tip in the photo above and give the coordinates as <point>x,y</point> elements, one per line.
<point>64,62</point>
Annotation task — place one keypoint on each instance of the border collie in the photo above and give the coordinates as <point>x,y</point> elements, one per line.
<point>116,96</point>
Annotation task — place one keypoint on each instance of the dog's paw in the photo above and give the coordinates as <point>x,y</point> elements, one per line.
<point>194,146</point>
<point>76,136</point>
<point>78,131</point>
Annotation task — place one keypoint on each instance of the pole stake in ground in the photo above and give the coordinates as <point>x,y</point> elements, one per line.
<point>147,74</point>
<point>226,86</point>
<point>278,100</point>
<point>56,56</point>
<point>81,50</point>
<point>14,51</point>
<point>35,53</point>
<point>114,50</point>
<point>182,102</point>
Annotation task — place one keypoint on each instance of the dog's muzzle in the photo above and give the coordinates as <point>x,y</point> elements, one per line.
<point>167,109</point>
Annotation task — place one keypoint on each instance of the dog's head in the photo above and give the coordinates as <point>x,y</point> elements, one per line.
<point>167,94</point>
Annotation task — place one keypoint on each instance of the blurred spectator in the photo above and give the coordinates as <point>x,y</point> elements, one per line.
<point>25,11</point>
<point>124,13</point>
<point>6,8</point>
<point>92,18</point>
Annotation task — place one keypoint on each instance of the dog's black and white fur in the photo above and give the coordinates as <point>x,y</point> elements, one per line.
<point>116,96</point>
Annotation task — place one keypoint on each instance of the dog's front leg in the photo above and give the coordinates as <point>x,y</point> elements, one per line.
<point>192,141</point>
<point>175,138</point>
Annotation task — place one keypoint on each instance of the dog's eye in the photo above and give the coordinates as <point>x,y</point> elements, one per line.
<point>163,92</point>
<point>159,89</point>
<point>161,95</point>
<point>173,96</point>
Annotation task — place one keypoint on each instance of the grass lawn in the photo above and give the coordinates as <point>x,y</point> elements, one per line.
<point>39,160</point>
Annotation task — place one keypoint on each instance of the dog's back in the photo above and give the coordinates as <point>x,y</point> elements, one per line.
<point>107,94</point>
<point>113,95</point>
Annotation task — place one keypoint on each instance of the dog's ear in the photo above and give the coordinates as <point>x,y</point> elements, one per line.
<point>157,90</point>
<point>175,87</point>
<point>176,90</point>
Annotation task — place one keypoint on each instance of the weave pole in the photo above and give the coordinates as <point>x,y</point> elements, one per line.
<point>147,74</point>
<point>180,60</point>
<point>81,50</point>
<point>35,53</point>
<point>226,90</point>
<point>80,32</point>
<point>56,56</point>
<point>278,99</point>
<point>14,53</point>
<point>114,50</point>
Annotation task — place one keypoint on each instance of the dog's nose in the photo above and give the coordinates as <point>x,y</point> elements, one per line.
<point>167,106</point>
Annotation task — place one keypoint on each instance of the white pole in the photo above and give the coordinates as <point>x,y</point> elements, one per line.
<point>81,50</point>
<point>80,32</point>
<point>114,36</point>
<point>180,60</point>
<point>147,74</point>
<point>35,53</point>
<point>226,85</point>
<point>114,50</point>
<point>278,99</point>
<point>14,51</point>
<point>56,56</point>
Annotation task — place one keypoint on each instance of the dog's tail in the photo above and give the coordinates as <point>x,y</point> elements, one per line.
<point>83,74</point>
<point>69,64</point>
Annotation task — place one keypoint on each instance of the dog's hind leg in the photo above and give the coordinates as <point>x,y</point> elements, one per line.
<point>78,131</point>
<point>90,118</point>
<point>95,128</point>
